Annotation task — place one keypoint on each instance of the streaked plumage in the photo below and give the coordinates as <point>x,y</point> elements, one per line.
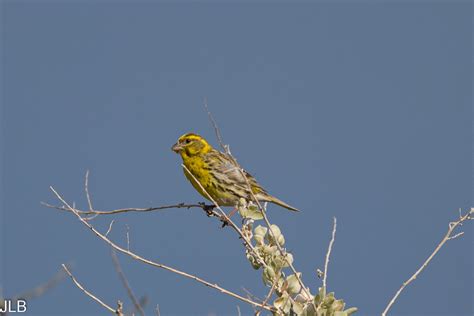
<point>218,174</point>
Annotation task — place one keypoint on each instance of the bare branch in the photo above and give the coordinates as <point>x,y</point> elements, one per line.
<point>41,289</point>
<point>110,227</point>
<point>125,283</point>
<point>225,148</point>
<point>328,254</point>
<point>86,189</point>
<point>448,236</point>
<point>267,298</point>
<point>110,309</point>
<point>251,295</point>
<point>126,210</point>
<point>128,237</point>
<point>456,236</point>
<point>152,263</point>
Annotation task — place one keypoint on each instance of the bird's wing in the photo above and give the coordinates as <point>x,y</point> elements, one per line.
<point>225,171</point>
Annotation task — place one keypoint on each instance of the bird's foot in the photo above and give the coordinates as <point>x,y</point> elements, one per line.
<point>209,209</point>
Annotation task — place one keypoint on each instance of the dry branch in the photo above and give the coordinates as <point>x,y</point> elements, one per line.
<point>220,140</point>
<point>79,285</point>
<point>125,283</point>
<point>126,210</point>
<point>42,288</point>
<point>152,263</point>
<point>448,236</point>
<point>328,254</point>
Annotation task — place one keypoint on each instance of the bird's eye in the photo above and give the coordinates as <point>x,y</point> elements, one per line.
<point>187,141</point>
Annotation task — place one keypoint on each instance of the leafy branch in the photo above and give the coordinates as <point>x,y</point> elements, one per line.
<point>264,248</point>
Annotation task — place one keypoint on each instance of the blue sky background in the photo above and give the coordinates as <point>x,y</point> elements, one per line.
<point>361,111</point>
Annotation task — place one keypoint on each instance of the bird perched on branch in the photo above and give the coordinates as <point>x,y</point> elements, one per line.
<point>218,174</point>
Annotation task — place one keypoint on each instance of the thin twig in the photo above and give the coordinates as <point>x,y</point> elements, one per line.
<point>216,128</point>
<point>86,189</point>
<point>128,237</point>
<point>252,296</point>
<point>41,289</point>
<point>110,227</point>
<point>110,309</point>
<point>125,282</point>
<point>267,298</point>
<point>126,210</point>
<point>155,264</point>
<point>451,227</point>
<point>328,254</point>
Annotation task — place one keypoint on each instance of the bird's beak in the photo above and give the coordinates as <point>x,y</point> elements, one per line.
<point>176,148</point>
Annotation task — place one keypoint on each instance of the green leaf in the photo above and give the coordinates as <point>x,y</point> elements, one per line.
<point>259,234</point>
<point>260,230</point>
<point>351,311</point>
<point>283,303</point>
<point>288,261</point>
<point>338,305</point>
<point>297,308</point>
<point>250,211</point>
<point>328,300</point>
<point>253,261</point>
<point>276,231</point>
<point>318,298</point>
<point>268,275</point>
<point>294,286</point>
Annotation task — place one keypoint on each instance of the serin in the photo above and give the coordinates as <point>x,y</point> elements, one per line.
<point>218,174</point>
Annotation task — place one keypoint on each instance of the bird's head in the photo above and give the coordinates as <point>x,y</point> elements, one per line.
<point>191,144</point>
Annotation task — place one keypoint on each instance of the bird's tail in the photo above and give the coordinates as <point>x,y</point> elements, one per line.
<point>274,200</point>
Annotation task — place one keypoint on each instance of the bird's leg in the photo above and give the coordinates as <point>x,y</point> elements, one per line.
<point>232,212</point>
<point>225,222</point>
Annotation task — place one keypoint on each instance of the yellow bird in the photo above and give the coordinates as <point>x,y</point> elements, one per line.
<point>218,175</point>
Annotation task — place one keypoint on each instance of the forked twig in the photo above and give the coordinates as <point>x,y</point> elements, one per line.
<point>152,263</point>
<point>447,236</point>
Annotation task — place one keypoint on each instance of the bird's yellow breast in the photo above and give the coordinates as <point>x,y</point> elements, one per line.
<point>200,170</point>
<point>197,167</point>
